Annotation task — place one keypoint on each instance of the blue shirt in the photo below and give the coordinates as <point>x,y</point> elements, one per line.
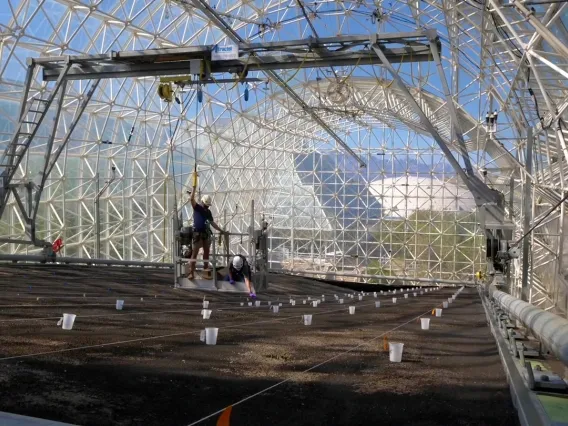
<point>200,216</point>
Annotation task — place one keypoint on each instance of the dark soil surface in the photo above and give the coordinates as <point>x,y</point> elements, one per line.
<point>270,367</point>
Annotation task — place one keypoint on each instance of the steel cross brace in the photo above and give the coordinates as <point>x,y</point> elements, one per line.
<point>233,35</point>
<point>484,196</point>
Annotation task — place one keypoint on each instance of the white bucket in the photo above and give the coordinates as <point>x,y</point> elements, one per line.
<point>341,301</point>
<point>315,303</point>
<point>275,309</point>
<point>205,304</point>
<point>351,310</point>
<point>293,303</point>
<point>307,319</point>
<point>360,297</point>
<point>280,304</point>
<point>119,305</point>
<point>394,300</point>
<point>406,296</point>
<point>425,323</point>
<point>421,292</point>
<point>269,303</point>
<point>323,298</point>
<point>375,294</point>
<point>395,352</point>
<point>291,300</point>
<point>309,298</point>
<point>202,335</point>
<point>381,292</point>
<point>450,300</point>
<point>445,305</point>
<point>211,334</point>
<point>242,303</point>
<point>304,302</point>
<point>377,304</point>
<point>336,296</point>
<point>414,294</point>
<point>438,312</point>
<point>68,321</point>
<point>206,313</point>
<point>249,303</point>
<point>257,303</point>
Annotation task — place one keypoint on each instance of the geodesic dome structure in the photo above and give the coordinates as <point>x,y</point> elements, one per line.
<point>274,136</point>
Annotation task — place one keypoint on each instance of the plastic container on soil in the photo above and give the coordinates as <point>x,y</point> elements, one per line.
<point>445,305</point>
<point>257,303</point>
<point>242,303</point>
<point>307,319</point>
<point>406,296</point>
<point>375,294</point>
<point>425,323</point>
<point>205,304</point>
<point>206,313</point>
<point>293,303</point>
<point>119,305</point>
<point>202,335</point>
<point>280,305</point>
<point>360,297</point>
<point>250,303</point>
<point>394,300</point>
<point>351,310</point>
<point>269,303</point>
<point>341,301</point>
<point>438,312</point>
<point>211,334</point>
<point>450,300</point>
<point>275,309</point>
<point>315,303</point>
<point>304,302</point>
<point>377,304</point>
<point>68,321</point>
<point>395,351</point>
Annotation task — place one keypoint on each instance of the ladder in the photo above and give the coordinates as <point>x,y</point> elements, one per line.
<point>33,113</point>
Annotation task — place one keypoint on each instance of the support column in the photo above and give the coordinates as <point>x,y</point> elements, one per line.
<point>527,215</point>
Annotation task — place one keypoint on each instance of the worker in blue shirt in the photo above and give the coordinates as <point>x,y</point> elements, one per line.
<point>239,270</point>
<point>202,220</point>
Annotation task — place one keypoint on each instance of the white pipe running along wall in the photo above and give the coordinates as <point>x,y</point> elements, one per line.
<point>550,329</point>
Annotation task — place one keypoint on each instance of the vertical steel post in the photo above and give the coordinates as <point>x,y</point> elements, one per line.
<point>527,215</point>
<point>97,219</point>
<point>252,244</point>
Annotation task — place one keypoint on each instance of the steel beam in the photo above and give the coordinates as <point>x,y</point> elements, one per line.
<point>527,215</point>
<point>232,34</point>
<point>484,196</point>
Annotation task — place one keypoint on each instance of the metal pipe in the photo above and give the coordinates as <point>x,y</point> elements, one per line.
<point>550,329</point>
<point>382,277</point>
<point>77,260</point>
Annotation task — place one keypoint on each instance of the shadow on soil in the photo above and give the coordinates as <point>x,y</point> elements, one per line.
<point>115,395</point>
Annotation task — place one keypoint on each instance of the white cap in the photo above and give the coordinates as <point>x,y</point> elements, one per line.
<point>238,263</point>
<point>207,200</point>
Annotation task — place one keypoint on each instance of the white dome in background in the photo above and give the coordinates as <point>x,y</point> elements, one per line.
<point>401,196</point>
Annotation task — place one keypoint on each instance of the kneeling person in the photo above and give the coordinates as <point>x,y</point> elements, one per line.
<point>239,270</point>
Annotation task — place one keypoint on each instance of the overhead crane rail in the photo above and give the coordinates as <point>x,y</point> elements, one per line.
<point>196,60</point>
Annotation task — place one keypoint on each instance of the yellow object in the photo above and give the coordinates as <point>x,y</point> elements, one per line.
<point>433,311</point>
<point>165,92</point>
<point>194,180</point>
<point>480,275</point>
<point>177,79</point>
